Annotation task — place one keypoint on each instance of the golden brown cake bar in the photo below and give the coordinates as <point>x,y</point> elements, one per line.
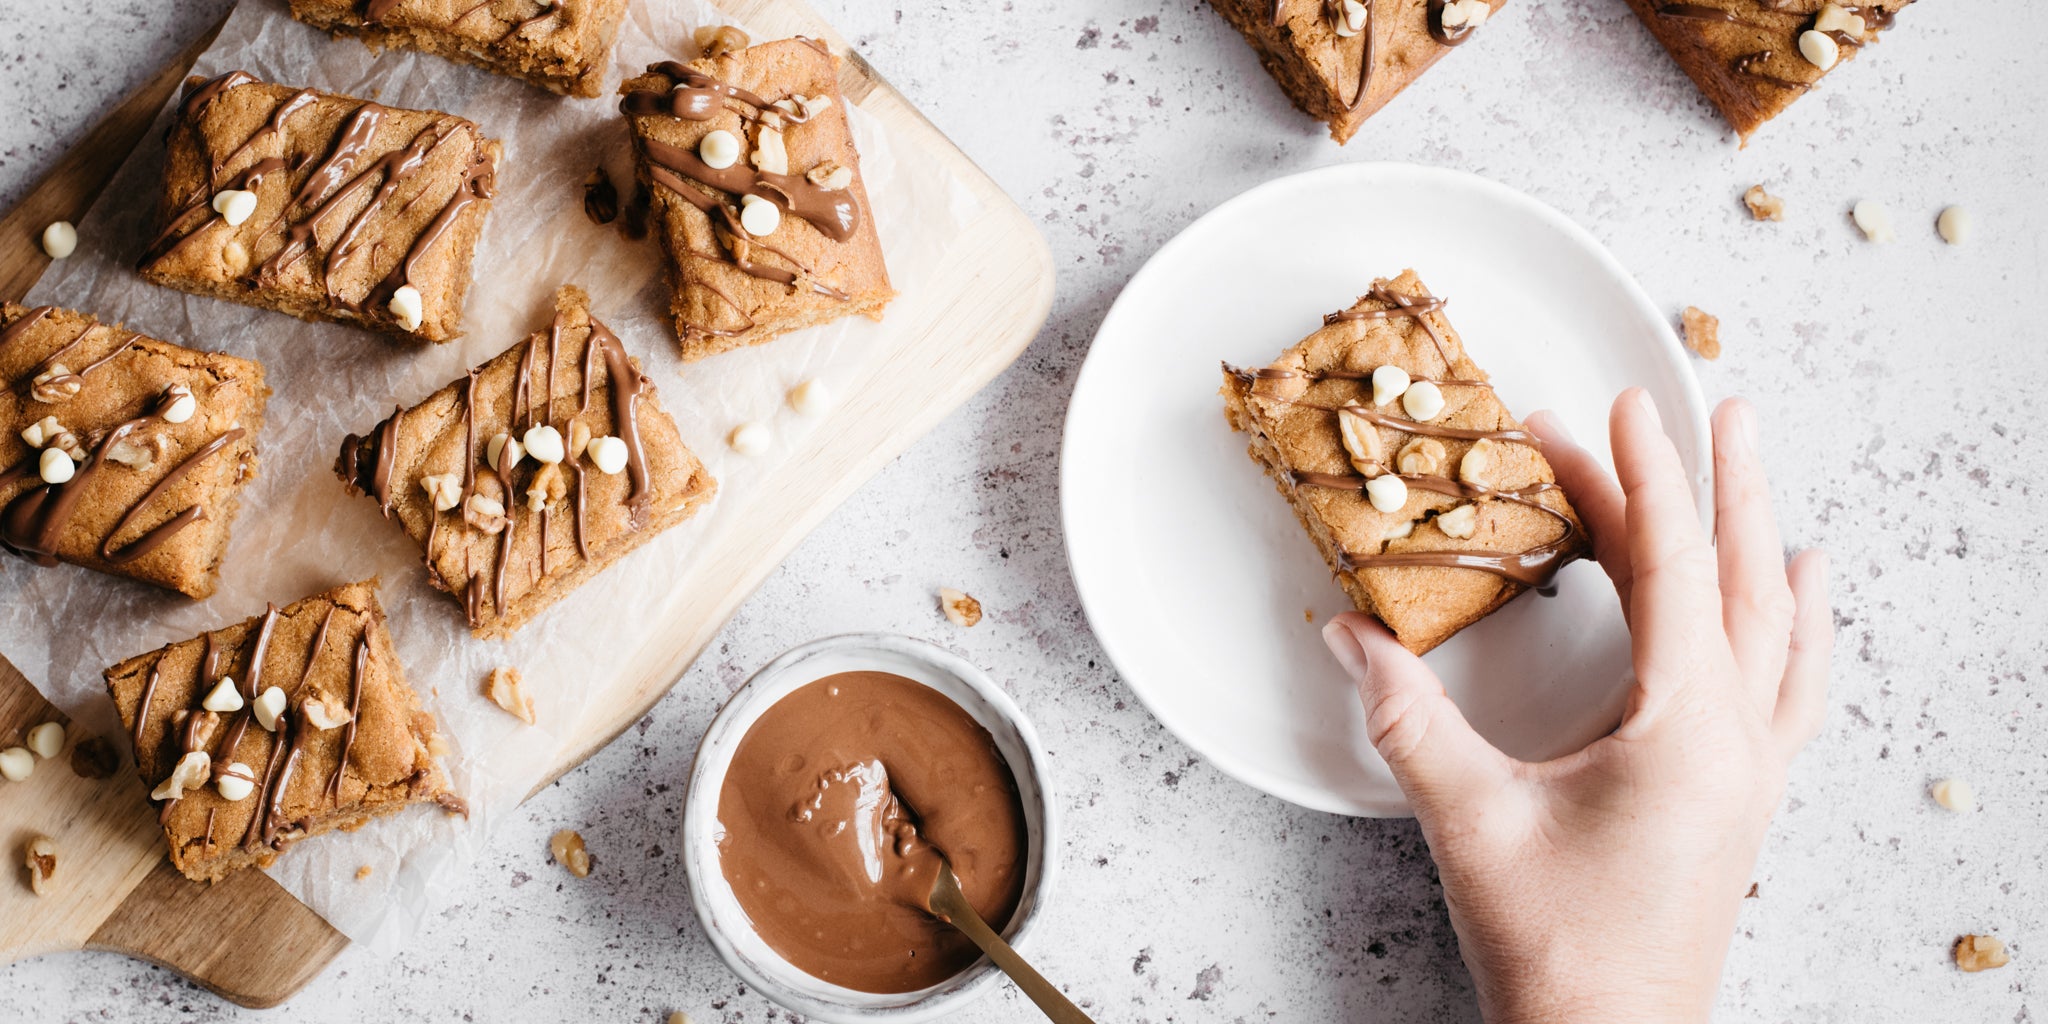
<point>533,473</point>
<point>322,206</point>
<point>562,46</point>
<point>119,452</point>
<point>1340,61</point>
<point>1752,58</point>
<point>757,193</point>
<point>1431,503</point>
<point>239,772</point>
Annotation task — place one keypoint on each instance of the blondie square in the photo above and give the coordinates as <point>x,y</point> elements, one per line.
<point>1340,61</point>
<point>562,46</point>
<point>119,452</point>
<point>322,206</point>
<point>1431,503</point>
<point>757,193</point>
<point>1752,58</point>
<point>532,473</point>
<point>293,723</point>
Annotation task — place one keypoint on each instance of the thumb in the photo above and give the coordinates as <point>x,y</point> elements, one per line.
<point>1436,757</point>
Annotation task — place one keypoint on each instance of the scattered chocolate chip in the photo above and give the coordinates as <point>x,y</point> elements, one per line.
<point>600,198</point>
<point>95,758</point>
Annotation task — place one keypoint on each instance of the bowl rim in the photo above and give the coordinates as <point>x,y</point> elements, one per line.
<point>741,709</point>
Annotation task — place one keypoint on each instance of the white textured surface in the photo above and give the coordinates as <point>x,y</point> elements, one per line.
<point>1903,386</point>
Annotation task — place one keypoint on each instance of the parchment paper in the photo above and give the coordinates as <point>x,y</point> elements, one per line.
<point>298,533</point>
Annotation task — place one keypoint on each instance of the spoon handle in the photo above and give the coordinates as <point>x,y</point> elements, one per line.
<point>952,905</point>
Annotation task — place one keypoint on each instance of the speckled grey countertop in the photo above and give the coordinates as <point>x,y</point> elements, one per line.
<point>1905,386</point>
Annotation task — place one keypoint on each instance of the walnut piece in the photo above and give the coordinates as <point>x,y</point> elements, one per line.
<point>506,690</point>
<point>1424,456</point>
<point>362,872</point>
<point>1477,467</point>
<point>326,712</point>
<point>1980,953</point>
<point>719,40</point>
<point>56,384</point>
<point>569,851</point>
<point>548,486</point>
<point>961,609</point>
<point>486,514</point>
<point>1702,332</point>
<point>1763,205</point>
<point>39,855</point>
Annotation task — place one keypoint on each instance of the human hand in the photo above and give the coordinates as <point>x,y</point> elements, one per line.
<point>1604,885</point>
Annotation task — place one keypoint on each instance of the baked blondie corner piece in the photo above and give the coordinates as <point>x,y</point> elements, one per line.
<point>1753,58</point>
<point>284,726</point>
<point>322,206</point>
<point>532,473</point>
<point>1340,61</point>
<point>119,452</point>
<point>1428,499</point>
<point>563,46</point>
<point>757,192</point>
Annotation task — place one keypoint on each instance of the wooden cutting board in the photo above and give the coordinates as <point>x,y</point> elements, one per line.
<point>114,890</point>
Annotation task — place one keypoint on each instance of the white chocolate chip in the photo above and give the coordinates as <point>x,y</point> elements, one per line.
<point>268,708</point>
<point>16,763</point>
<point>188,776</point>
<point>57,466</point>
<point>1352,21</point>
<point>47,740</point>
<point>1953,224</point>
<point>760,217</point>
<point>1955,795</point>
<point>719,149</point>
<point>1387,383</point>
<point>178,404</point>
<point>544,444</point>
<point>1874,220</point>
<point>750,438</point>
<point>769,154</point>
<point>1362,442</point>
<point>1423,401</point>
<point>1476,468</point>
<point>1819,49</point>
<point>236,782</point>
<point>1399,531</point>
<point>810,397</point>
<point>1468,14</point>
<point>326,713</point>
<point>1387,492</point>
<point>408,306</point>
<point>812,106</point>
<point>60,239</point>
<point>234,205</point>
<point>503,449</point>
<point>443,489</point>
<point>1833,18</point>
<point>1461,522</point>
<point>609,453</point>
<point>224,698</point>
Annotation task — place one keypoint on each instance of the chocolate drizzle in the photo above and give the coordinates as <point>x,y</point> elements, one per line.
<point>156,672</point>
<point>161,534</point>
<point>251,685</point>
<point>355,707</point>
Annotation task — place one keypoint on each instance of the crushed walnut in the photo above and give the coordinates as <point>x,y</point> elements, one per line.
<point>39,856</point>
<point>1763,205</point>
<point>1980,953</point>
<point>506,690</point>
<point>1702,332</point>
<point>719,40</point>
<point>961,609</point>
<point>569,851</point>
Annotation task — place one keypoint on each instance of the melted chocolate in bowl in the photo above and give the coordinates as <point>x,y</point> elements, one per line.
<point>830,813</point>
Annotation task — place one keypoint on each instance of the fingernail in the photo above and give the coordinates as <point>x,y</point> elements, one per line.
<point>1554,424</point>
<point>1349,653</point>
<point>1649,405</point>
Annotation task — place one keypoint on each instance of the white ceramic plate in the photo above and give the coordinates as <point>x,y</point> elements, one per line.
<point>1193,571</point>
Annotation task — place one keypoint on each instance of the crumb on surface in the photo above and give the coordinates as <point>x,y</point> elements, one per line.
<point>362,872</point>
<point>1702,333</point>
<point>1763,205</point>
<point>961,608</point>
<point>1980,953</point>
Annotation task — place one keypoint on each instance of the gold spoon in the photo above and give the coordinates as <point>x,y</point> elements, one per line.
<point>949,904</point>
